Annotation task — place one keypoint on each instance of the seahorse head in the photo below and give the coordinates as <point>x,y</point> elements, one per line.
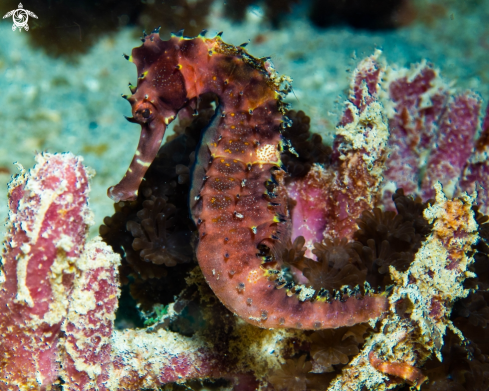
<point>159,95</point>
<point>174,72</point>
<point>160,90</point>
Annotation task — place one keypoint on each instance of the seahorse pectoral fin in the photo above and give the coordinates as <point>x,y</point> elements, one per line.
<point>149,143</point>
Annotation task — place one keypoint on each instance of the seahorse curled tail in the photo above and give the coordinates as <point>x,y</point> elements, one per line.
<point>238,199</point>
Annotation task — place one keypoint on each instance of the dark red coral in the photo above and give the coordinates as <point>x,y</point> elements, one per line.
<point>292,376</point>
<point>337,265</point>
<point>115,234</point>
<point>333,347</point>
<point>474,308</point>
<point>388,239</point>
<point>295,375</point>
<point>152,231</point>
<point>465,365</point>
<point>411,209</point>
<point>155,236</point>
<point>294,254</point>
<point>161,290</point>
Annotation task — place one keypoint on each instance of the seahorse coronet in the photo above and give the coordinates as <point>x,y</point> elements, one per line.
<point>238,198</point>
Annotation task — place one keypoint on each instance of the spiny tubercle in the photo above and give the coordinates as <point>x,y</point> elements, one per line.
<point>238,199</point>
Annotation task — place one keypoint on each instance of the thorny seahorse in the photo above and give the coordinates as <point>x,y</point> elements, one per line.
<point>238,200</point>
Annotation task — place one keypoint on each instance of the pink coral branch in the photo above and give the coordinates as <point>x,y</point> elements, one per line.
<point>432,134</point>
<point>147,360</point>
<point>46,233</point>
<point>90,322</point>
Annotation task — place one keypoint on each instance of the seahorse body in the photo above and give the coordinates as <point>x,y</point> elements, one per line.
<point>238,200</point>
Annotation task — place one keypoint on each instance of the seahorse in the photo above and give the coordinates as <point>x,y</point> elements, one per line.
<point>238,199</point>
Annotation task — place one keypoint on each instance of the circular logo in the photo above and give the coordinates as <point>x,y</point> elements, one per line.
<point>20,18</point>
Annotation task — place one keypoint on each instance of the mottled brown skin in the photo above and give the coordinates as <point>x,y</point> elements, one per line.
<point>238,200</point>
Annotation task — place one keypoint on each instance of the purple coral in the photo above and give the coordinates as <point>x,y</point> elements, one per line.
<point>432,133</point>
<point>152,238</point>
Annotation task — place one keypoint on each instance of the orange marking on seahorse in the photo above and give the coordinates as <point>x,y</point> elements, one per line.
<point>233,196</point>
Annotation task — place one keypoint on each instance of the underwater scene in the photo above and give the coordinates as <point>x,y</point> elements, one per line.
<point>282,195</point>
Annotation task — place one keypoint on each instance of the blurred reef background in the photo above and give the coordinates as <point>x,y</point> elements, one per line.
<point>61,81</point>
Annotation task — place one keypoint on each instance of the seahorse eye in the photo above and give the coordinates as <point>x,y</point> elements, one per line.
<point>144,112</point>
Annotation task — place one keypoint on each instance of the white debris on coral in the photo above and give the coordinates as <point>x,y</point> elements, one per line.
<point>433,282</point>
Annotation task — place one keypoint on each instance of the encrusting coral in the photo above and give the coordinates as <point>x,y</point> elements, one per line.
<point>323,251</point>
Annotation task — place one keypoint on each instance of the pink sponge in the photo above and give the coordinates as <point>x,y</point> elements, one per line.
<point>45,236</point>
